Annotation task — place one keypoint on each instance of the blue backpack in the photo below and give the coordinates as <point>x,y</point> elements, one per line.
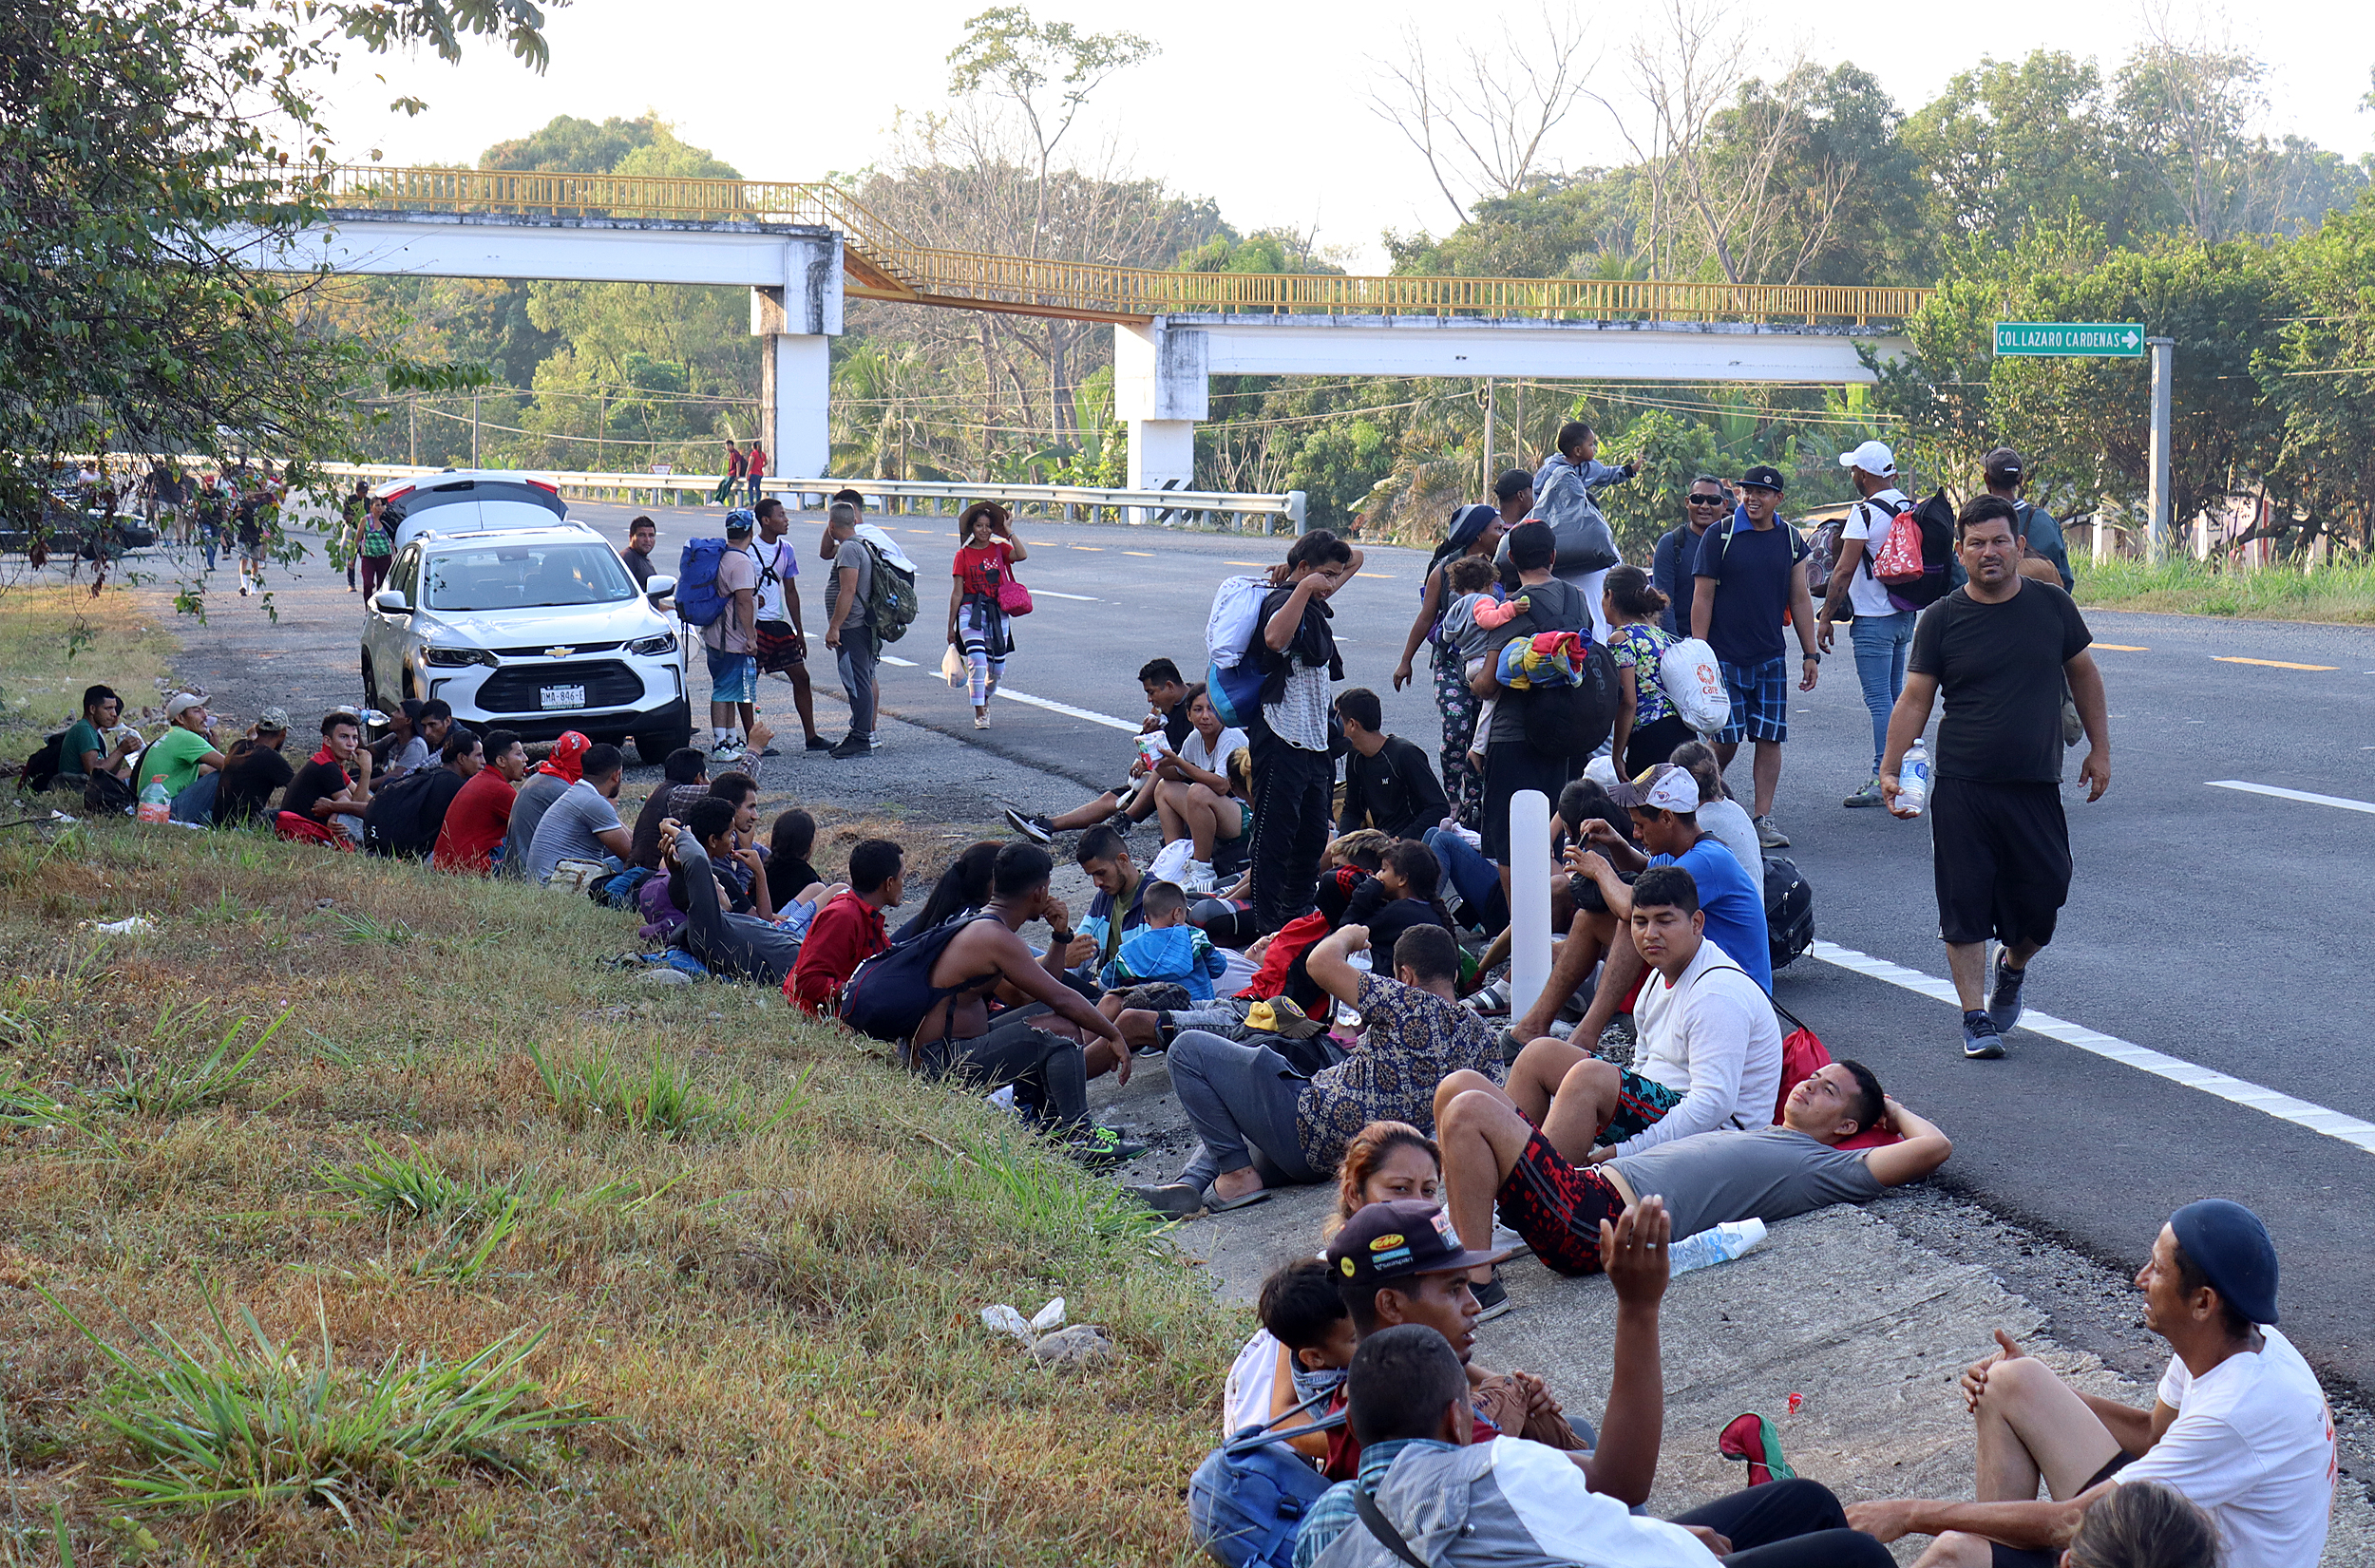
<point>699,600</point>
<point>1236,692</point>
<point>1247,1499</point>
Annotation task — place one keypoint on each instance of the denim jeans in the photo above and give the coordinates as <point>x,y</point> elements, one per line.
<point>1881,644</point>
<point>1476,877</point>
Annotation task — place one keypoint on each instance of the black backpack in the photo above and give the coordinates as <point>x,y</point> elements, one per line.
<point>1789,911</point>
<point>888,995</point>
<point>1936,516</point>
<point>1572,721</point>
<point>404,817</point>
<point>41,768</point>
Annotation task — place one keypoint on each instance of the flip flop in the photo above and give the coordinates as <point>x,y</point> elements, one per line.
<point>1751,1437</point>
<point>1172,1199</point>
<point>1214,1202</point>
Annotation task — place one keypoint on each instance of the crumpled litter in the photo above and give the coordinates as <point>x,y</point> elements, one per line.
<point>137,925</point>
<point>1004,1319</point>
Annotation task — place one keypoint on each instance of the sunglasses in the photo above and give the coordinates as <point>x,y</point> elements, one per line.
<point>1705,500</point>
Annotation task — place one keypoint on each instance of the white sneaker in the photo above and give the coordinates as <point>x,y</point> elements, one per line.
<point>1198,880</point>
<point>725,751</point>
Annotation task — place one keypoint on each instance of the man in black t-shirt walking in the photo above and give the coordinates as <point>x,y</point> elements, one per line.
<point>1999,648</point>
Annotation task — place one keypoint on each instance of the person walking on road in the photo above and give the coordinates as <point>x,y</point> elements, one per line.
<point>1475,532</point>
<point>1671,563</point>
<point>1883,633</point>
<point>977,628</point>
<point>1566,494</point>
<point>2039,532</point>
<point>848,631</point>
<point>1751,574</point>
<point>1999,648</point>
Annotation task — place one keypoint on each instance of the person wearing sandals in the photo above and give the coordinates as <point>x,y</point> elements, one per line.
<point>978,626</point>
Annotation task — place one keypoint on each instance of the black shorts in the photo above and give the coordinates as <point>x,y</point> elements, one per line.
<point>2001,856</point>
<point>2021,1556</point>
<point>1558,1208</point>
<point>1511,766</point>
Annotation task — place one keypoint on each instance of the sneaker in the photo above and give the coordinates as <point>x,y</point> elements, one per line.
<point>1099,1147</point>
<point>1982,1040</point>
<point>852,746</point>
<point>1507,1240</point>
<point>1492,1297</point>
<point>1769,836</point>
<point>1037,829</point>
<point>979,723</point>
<point>1121,823</point>
<point>818,743</point>
<point>2003,1001</point>
<point>1869,795</point>
<point>1197,882</point>
<point>725,751</point>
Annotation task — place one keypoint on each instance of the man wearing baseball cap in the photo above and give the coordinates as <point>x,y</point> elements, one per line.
<point>1750,572</point>
<point>188,745</point>
<point>728,641</point>
<point>2040,533</point>
<point>256,774</point>
<point>2240,1426</point>
<point>1882,632</point>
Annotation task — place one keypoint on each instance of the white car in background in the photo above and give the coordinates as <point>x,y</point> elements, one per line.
<point>521,620</point>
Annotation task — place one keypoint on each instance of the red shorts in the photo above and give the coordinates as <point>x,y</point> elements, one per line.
<point>1558,1208</point>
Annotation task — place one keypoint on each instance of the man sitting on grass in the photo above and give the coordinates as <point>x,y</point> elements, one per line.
<point>1133,802</point>
<point>1550,1193</point>
<point>684,779</point>
<point>849,930</point>
<point>481,814</point>
<point>583,823</point>
<point>2239,1429</point>
<point>333,786</point>
<point>731,945</point>
<point>1709,1053</point>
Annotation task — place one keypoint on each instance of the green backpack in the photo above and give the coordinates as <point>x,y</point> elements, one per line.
<point>890,599</point>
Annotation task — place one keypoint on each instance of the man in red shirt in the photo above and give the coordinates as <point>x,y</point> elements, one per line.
<point>754,468</point>
<point>849,930</point>
<point>481,814</point>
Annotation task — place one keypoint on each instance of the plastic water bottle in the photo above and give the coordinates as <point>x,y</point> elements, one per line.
<point>156,805</point>
<point>1719,1244</point>
<point>1912,782</point>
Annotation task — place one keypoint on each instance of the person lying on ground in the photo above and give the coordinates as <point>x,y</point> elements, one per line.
<point>1389,783</point>
<point>2239,1425</point>
<point>476,822</point>
<point>1449,1496</point>
<point>87,749</point>
<point>331,791</point>
<point>849,930</point>
<point>1708,1053</point>
<point>1115,910</point>
<point>1164,948</point>
<point>731,945</point>
<point>938,1014</point>
<point>1259,1124</point>
<point>250,779</point>
<point>961,889</point>
<point>1195,797</point>
<point>684,779</point>
<point>583,823</point>
<point>1132,801</point>
<point>1555,1198</point>
<point>1663,805</point>
<point>562,766</point>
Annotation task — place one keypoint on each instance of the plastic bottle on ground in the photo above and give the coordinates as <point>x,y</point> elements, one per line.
<point>1912,782</point>
<point>1718,1244</point>
<point>156,805</point>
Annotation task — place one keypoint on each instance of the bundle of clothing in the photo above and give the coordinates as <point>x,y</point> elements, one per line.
<point>1545,659</point>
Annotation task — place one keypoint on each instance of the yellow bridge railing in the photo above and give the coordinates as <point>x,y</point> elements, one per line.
<point>883,264</point>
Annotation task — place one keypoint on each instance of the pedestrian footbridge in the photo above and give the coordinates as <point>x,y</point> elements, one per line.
<point>802,248</point>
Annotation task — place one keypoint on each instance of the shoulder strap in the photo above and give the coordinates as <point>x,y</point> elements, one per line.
<point>1383,1529</point>
<point>1267,1433</point>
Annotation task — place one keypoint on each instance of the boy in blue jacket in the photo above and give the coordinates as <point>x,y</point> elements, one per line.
<point>1166,948</point>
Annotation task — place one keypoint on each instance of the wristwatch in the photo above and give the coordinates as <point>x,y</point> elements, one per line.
<point>1061,938</point>
<point>1811,657</point>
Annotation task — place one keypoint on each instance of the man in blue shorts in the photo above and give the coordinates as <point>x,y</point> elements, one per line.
<point>1749,574</point>
<point>728,641</point>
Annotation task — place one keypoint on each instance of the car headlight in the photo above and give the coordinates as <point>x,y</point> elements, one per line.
<point>450,657</point>
<point>652,647</point>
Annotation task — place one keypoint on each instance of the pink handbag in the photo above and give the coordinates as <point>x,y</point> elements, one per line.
<point>1012,597</point>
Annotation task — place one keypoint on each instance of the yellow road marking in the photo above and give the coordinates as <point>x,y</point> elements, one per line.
<point>1148,554</point>
<point>2271,664</point>
<point>1381,577</point>
<point>2121,647</point>
<point>1097,549</point>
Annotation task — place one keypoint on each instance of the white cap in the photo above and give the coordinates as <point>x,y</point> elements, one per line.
<point>181,704</point>
<point>1661,784</point>
<point>1873,457</point>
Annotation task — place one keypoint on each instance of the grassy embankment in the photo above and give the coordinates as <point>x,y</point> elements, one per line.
<point>2343,594</point>
<point>360,1214</point>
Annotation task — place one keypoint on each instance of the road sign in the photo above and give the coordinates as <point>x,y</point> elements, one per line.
<point>2097,339</point>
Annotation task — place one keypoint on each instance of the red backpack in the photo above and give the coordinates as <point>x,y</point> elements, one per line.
<point>1802,1056</point>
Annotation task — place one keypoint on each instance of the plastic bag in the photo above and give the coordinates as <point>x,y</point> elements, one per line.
<point>953,665</point>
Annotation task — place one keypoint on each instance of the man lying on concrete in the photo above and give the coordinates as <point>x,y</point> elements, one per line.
<point>2239,1428</point>
<point>1552,1198</point>
<point>1709,1053</point>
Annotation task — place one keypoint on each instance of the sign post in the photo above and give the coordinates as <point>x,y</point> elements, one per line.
<point>2157,494</point>
<point>2110,340</point>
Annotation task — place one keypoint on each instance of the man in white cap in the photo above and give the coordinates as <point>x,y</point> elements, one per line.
<point>1883,633</point>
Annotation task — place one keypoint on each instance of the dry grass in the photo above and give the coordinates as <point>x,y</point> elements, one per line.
<point>2342,594</point>
<point>54,641</point>
<point>752,1259</point>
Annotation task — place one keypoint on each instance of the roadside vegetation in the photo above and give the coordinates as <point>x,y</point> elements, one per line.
<point>57,639</point>
<point>360,1213</point>
<point>2339,593</point>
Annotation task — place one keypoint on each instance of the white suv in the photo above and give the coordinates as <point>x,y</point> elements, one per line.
<point>521,620</point>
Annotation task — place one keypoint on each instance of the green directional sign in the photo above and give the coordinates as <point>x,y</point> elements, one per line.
<point>2103,339</point>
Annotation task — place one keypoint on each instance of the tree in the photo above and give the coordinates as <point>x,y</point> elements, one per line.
<point>2320,376</point>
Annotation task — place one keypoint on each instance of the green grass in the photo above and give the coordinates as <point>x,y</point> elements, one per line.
<point>54,641</point>
<point>2343,594</point>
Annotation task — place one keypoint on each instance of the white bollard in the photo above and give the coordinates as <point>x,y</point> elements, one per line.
<point>1529,898</point>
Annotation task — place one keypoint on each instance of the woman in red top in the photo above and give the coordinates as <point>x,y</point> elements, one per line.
<point>977,625</point>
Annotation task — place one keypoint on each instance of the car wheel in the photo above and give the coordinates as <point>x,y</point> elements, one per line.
<point>654,746</point>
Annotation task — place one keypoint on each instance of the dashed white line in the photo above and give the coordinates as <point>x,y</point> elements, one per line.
<point>893,658</point>
<point>1067,709</point>
<point>2302,1114</point>
<point>2340,801</point>
<point>1052,593</point>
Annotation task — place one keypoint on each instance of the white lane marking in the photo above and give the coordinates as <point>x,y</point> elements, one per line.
<point>1106,719</point>
<point>2343,801</point>
<point>893,658</point>
<point>2333,1124</point>
<point>1052,593</point>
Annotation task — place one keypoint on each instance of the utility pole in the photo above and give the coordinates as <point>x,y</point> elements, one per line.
<point>412,416</point>
<point>474,430</point>
<point>2157,498</point>
<point>602,435</point>
<point>1488,451</point>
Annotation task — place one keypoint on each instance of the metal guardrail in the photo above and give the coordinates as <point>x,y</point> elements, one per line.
<point>885,264</point>
<point>1054,502</point>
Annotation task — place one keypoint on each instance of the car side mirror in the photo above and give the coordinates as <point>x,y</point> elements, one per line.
<point>390,602</point>
<point>659,588</point>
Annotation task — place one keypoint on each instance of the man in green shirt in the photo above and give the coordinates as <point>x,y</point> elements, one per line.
<point>87,750</point>
<point>187,745</point>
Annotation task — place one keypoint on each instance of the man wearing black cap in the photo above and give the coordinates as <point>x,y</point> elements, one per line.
<point>2239,1429</point>
<point>2040,534</point>
<point>1751,572</point>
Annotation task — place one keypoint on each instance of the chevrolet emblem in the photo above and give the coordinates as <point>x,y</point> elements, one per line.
<point>559,653</point>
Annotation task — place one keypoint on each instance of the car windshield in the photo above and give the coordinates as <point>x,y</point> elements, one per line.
<point>523,577</point>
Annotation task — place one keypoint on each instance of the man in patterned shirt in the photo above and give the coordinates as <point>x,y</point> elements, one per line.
<point>1260,1122</point>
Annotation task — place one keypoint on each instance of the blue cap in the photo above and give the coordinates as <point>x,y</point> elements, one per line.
<point>741,520</point>
<point>2230,1245</point>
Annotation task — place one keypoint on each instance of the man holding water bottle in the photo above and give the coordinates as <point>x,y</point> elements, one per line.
<point>1999,646</point>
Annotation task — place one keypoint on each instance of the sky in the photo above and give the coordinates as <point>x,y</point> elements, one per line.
<point>1262,107</point>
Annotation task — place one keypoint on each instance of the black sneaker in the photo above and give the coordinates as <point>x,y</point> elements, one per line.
<point>1101,1148</point>
<point>1982,1040</point>
<point>1493,1297</point>
<point>771,751</point>
<point>2003,1001</point>
<point>1037,829</point>
<point>852,746</point>
<point>818,743</point>
<point>1120,823</point>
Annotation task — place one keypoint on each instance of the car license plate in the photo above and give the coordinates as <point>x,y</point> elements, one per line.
<point>561,696</point>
